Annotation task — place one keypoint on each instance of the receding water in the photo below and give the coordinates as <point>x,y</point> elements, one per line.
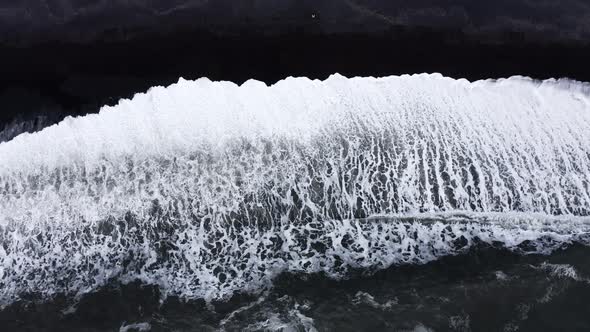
<point>483,289</point>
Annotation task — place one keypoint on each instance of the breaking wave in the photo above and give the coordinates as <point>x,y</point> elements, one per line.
<point>208,188</point>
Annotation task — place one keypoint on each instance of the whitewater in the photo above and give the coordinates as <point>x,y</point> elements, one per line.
<point>208,188</point>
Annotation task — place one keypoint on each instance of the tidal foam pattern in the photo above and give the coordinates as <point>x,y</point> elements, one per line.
<point>207,188</point>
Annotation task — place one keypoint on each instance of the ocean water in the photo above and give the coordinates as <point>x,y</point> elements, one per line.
<point>410,203</point>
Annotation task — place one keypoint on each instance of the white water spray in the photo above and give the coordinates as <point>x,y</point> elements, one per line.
<point>206,188</point>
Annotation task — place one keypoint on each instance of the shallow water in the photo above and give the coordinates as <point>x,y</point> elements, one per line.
<point>484,289</point>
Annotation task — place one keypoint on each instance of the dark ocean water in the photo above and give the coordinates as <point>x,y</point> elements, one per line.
<point>483,289</point>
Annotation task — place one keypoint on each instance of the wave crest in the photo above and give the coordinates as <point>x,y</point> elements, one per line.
<point>207,188</point>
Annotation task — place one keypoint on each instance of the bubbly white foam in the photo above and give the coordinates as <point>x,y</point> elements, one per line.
<point>364,298</point>
<point>207,188</point>
<point>140,327</point>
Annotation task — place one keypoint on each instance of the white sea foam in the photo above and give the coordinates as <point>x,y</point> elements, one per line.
<point>139,327</point>
<point>563,271</point>
<point>363,298</point>
<point>207,188</point>
<point>266,317</point>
